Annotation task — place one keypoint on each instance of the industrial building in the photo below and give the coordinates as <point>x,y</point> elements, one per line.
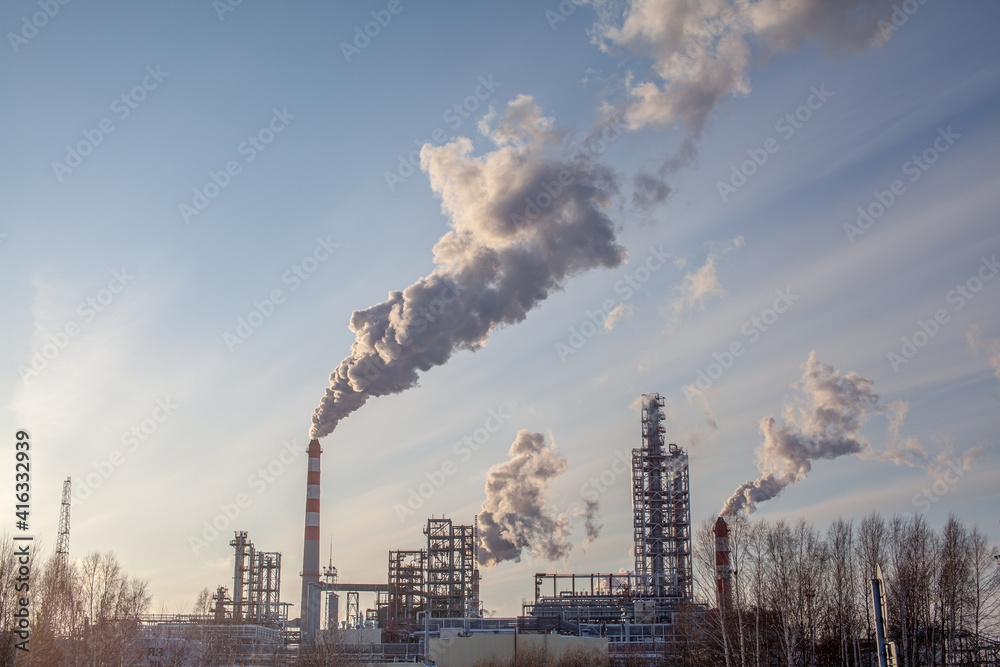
<point>429,604</point>
<point>432,593</point>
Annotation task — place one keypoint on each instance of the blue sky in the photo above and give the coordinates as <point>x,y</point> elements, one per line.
<point>319,190</point>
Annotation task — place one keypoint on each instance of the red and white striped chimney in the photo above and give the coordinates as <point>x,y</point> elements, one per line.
<point>723,570</point>
<point>310,549</point>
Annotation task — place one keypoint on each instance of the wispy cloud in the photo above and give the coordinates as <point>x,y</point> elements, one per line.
<point>702,284</point>
<point>978,345</point>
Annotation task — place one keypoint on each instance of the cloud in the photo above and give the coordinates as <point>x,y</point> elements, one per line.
<point>698,286</point>
<point>616,314</point>
<point>977,345</point>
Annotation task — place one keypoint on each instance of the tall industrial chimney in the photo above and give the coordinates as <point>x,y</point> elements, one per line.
<point>309,616</point>
<point>723,569</point>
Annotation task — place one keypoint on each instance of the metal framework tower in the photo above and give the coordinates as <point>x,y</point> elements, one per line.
<point>220,600</point>
<point>332,599</point>
<point>406,586</point>
<point>264,590</point>
<point>241,569</point>
<point>661,509</point>
<point>452,576</point>
<point>62,542</point>
<point>353,610</point>
<point>256,583</point>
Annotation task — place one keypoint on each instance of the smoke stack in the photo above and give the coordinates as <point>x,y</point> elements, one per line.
<point>308,619</point>
<point>723,571</point>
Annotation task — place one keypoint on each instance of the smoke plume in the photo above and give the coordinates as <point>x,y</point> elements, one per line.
<point>824,422</point>
<point>591,521</point>
<point>523,220</point>
<point>514,516</point>
<point>530,213</point>
<point>702,51</point>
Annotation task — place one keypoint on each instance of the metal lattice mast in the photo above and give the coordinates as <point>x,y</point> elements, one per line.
<point>661,509</point>
<point>62,542</point>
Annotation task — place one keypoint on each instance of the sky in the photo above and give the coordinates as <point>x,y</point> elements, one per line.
<point>764,213</point>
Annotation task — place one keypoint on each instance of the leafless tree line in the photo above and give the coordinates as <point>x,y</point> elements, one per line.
<point>83,613</point>
<point>802,597</point>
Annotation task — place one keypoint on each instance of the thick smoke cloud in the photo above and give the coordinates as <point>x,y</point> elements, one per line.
<point>514,515</point>
<point>824,422</point>
<point>702,52</point>
<point>523,219</point>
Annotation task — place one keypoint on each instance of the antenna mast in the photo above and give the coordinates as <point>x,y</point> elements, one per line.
<point>62,542</point>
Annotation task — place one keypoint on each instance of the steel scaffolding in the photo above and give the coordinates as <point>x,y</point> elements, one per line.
<point>406,586</point>
<point>661,509</point>
<point>256,584</point>
<point>452,583</point>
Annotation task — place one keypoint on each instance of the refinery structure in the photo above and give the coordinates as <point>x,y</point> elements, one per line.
<point>430,598</point>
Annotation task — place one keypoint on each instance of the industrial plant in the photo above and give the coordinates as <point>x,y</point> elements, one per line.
<point>428,609</point>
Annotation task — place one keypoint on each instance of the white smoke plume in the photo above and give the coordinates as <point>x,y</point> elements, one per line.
<point>523,220</point>
<point>702,51</point>
<point>824,422</point>
<point>531,213</point>
<point>515,515</point>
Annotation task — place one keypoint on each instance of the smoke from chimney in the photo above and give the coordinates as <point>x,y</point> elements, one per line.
<point>515,516</point>
<point>824,422</point>
<point>523,219</point>
<point>530,213</point>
